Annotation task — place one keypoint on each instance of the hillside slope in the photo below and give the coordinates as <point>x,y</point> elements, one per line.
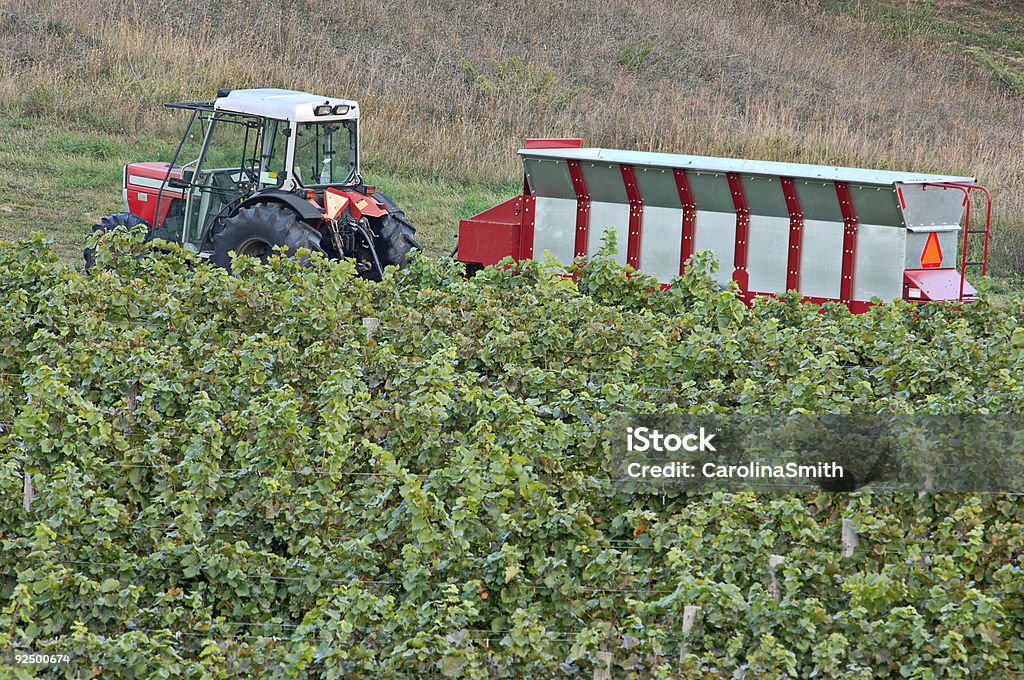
<point>451,89</point>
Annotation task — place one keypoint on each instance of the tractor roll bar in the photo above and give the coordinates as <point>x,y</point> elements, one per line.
<point>190,106</point>
<point>174,161</point>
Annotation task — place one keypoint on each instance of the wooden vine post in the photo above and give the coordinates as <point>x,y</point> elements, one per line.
<point>774,589</point>
<point>28,492</point>
<point>850,538</point>
<point>692,616</point>
<point>929,481</point>
<point>603,669</point>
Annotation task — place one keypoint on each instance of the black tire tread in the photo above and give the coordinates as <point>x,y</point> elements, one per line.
<point>119,220</point>
<point>396,235</point>
<point>273,223</point>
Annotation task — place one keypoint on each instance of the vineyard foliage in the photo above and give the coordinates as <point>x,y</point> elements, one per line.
<point>236,475</point>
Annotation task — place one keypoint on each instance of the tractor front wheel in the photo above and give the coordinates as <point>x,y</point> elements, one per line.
<point>122,221</point>
<point>256,230</point>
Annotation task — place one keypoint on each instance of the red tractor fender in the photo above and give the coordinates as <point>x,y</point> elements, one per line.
<point>307,210</point>
<point>361,205</point>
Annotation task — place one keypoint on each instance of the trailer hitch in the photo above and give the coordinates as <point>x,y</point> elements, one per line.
<point>343,238</point>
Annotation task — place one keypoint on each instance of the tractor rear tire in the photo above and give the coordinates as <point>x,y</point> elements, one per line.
<point>396,236</point>
<point>255,231</point>
<point>123,221</point>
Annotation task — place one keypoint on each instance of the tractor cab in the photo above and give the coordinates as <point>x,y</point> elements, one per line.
<point>273,151</point>
<point>254,140</point>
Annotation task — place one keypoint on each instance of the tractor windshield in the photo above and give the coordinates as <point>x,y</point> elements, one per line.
<point>325,153</point>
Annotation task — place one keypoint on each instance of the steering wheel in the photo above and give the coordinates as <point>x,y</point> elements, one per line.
<point>250,168</point>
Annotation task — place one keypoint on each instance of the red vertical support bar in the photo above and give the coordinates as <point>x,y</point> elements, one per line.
<point>636,215</point>
<point>967,189</point>
<point>967,233</point>
<point>526,233</point>
<point>739,202</point>
<point>689,217</point>
<point>988,225</point>
<point>582,207</point>
<point>796,230</point>
<point>849,241</point>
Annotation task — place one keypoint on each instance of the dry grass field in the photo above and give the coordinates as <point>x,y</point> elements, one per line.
<point>450,90</point>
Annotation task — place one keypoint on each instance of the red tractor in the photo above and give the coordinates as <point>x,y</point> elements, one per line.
<point>266,168</point>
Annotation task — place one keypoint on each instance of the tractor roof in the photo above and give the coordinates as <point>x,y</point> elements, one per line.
<point>290,105</point>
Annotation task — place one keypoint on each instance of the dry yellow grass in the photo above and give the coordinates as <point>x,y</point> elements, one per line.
<point>450,89</point>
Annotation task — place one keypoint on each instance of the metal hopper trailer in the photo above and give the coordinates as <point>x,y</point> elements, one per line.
<point>834,234</point>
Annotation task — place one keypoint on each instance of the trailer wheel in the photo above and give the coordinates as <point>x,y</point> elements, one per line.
<point>396,236</point>
<point>256,230</point>
<point>124,221</point>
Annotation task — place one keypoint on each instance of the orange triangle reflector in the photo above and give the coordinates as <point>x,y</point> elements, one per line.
<point>931,256</point>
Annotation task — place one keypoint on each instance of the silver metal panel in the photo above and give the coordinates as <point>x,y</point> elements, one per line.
<point>821,259</point>
<point>604,182</point>
<point>549,178</point>
<point>661,241</point>
<point>949,243</point>
<point>932,206</point>
<point>929,227</point>
<point>555,229</point>
<point>767,253</point>
<point>716,231</point>
<point>818,200</point>
<point>876,205</point>
<point>658,187</point>
<point>711,192</point>
<point>604,217</point>
<point>764,196</point>
<point>743,166</point>
<point>878,266</point>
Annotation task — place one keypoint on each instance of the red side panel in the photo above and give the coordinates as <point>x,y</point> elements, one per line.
<point>526,235</point>
<point>142,184</point>
<point>506,230</point>
<point>554,143</point>
<point>496,233</point>
<point>152,170</point>
<point>935,284</point>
